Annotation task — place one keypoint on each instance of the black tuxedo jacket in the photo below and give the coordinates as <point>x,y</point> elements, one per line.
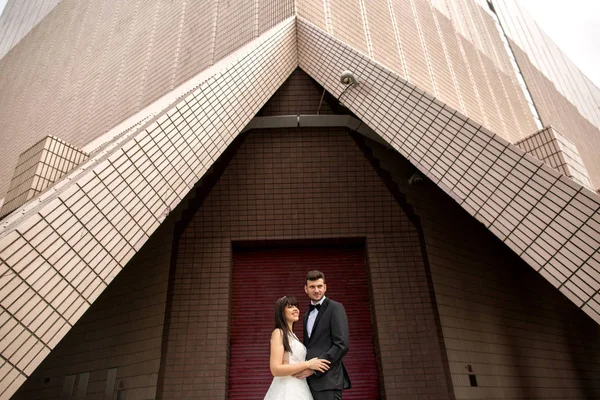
<point>329,340</point>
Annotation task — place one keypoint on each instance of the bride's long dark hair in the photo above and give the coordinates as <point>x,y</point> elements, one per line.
<point>280,322</point>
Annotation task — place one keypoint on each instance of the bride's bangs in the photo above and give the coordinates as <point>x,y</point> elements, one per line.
<point>291,301</point>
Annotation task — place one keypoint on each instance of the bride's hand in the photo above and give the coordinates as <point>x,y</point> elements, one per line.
<point>317,364</point>
<point>304,374</point>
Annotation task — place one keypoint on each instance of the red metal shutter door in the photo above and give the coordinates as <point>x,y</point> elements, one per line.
<point>260,277</point>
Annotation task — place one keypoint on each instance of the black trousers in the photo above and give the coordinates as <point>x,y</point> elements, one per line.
<point>327,395</point>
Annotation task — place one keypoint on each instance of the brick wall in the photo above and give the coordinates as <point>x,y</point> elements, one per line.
<point>301,184</point>
<point>521,337</point>
<point>453,52</point>
<point>300,95</point>
<point>91,64</point>
<point>549,146</point>
<point>18,18</point>
<point>559,112</point>
<point>122,329</point>
<point>480,306</point>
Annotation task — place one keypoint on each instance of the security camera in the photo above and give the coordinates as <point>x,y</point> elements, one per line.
<point>416,179</point>
<point>348,78</point>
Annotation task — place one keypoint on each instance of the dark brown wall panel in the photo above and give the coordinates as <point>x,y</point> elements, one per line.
<point>122,330</point>
<point>520,337</point>
<point>300,184</point>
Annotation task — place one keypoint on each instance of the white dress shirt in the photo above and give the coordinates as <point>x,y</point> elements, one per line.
<point>312,317</point>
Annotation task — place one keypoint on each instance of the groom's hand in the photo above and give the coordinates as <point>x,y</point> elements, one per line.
<point>304,374</point>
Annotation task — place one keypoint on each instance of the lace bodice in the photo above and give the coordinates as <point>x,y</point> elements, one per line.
<point>288,387</point>
<point>298,350</point>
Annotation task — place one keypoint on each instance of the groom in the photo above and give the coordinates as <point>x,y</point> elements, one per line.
<point>325,336</point>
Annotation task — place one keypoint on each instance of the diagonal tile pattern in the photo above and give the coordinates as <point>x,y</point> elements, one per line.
<point>39,167</point>
<point>547,219</point>
<point>90,64</point>
<point>64,248</point>
<point>549,146</point>
<point>62,251</point>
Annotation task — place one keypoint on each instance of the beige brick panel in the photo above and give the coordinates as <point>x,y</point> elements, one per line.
<point>90,64</point>
<point>58,256</point>
<point>558,111</point>
<point>521,200</point>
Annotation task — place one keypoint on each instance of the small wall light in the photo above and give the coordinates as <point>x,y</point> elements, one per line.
<point>348,78</point>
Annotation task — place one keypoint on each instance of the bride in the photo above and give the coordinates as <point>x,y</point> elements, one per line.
<point>288,355</point>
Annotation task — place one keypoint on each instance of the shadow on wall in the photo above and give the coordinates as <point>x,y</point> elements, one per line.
<point>554,352</point>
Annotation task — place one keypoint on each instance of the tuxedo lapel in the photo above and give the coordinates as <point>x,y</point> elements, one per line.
<point>320,315</point>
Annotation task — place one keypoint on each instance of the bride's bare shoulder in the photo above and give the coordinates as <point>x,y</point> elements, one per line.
<point>277,334</point>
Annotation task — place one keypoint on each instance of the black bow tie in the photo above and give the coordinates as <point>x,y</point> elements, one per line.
<point>313,306</point>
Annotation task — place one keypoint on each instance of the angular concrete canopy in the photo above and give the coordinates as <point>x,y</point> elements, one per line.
<point>60,251</point>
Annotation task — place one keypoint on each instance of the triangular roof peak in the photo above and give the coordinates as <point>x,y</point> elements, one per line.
<point>121,195</point>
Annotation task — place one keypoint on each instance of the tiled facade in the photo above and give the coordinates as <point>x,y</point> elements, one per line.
<point>119,338</point>
<point>18,19</point>
<point>524,339</point>
<point>547,219</point>
<point>549,146</point>
<point>60,253</point>
<point>574,87</point>
<point>98,69</point>
<point>517,334</point>
<point>422,44</point>
<point>275,188</point>
<point>91,64</point>
<point>417,62</point>
<point>39,167</point>
<point>557,111</point>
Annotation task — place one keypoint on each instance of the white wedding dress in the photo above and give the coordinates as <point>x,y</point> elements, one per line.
<point>288,387</point>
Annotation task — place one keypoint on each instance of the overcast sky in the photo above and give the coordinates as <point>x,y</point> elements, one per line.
<point>573,24</point>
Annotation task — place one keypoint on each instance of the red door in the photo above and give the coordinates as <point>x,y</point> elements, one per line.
<point>260,277</point>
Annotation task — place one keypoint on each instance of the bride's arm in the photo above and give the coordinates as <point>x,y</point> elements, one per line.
<point>278,368</point>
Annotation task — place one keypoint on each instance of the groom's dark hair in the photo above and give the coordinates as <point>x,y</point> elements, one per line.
<point>314,275</point>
